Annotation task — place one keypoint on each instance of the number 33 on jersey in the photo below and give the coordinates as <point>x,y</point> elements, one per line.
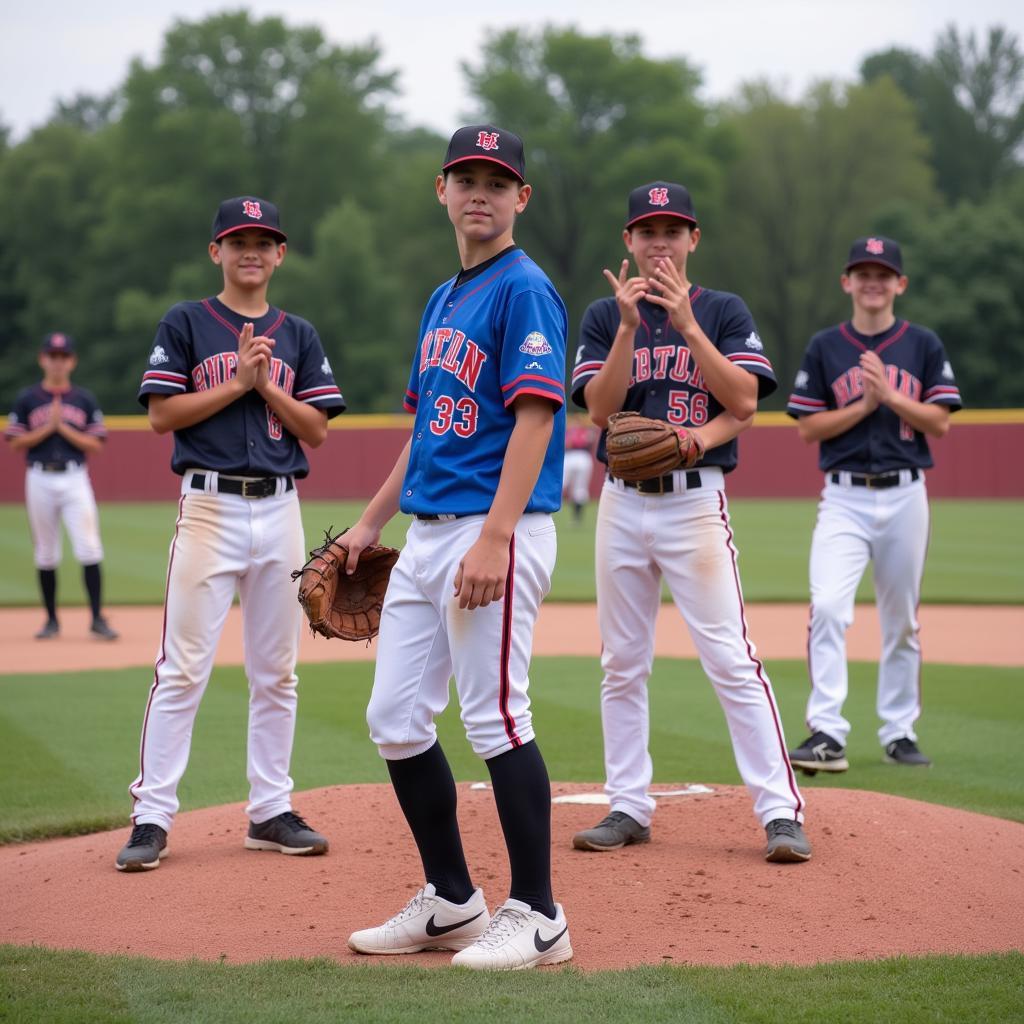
<point>486,339</point>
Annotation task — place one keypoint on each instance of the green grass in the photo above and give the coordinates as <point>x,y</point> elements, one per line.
<point>69,743</point>
<point>976,553</point>
<point>82,988</point>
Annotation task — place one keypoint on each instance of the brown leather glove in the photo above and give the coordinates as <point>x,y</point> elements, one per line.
<point>640,448</point>
<point>339,605</point>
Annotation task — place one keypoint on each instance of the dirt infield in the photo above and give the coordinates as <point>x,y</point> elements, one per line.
<point>889,876</point>
<point>955,635</point>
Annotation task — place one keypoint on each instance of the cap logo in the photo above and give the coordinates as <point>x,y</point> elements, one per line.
<point>659,196</point>
<point>875,246</point>
<point>487,140</point>
<point>251,209</point>
<point>58,341</point>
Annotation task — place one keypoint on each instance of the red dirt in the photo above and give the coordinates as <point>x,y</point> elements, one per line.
<point>889,876</point>
<point>955,635</point>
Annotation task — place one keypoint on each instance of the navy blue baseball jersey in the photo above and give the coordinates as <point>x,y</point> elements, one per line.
<point>487,337</point>
<point>666,383</point>
<point>196,348</point>
<point>830,378</point>
<point>78,409</point>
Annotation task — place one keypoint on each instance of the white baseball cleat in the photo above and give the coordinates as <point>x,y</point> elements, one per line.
<point>517,938</point>
<point>426,922</point>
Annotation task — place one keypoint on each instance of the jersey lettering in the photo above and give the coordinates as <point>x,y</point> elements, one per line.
<point>283,376</point>
<point>687,409</point>
<point>453,352</point>
<point>654,364</point>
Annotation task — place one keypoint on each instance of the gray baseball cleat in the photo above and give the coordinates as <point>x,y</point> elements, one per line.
<point>787,843</point>
<point>144,850</point>
<point>49,631</point>
<point>904,751</point>
<point>101,628</point>
<point>819,753</point>
<point>286,833</point>
<point>614,832</point>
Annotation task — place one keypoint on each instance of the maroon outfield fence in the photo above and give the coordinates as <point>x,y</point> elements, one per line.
<point>980,457</point>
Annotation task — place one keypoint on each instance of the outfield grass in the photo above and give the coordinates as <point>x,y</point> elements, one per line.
<point>69,743</point>
<point>976,554</point>
<point>82,988</point>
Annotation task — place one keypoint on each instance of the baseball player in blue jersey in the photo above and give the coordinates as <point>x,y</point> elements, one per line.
<point>240,383</point>
<point>480,475</point>
<point>675,351</point>
<point>58,425</point>
<point>869,392</point>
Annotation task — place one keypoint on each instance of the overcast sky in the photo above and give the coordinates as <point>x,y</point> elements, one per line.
<point>54,50</point>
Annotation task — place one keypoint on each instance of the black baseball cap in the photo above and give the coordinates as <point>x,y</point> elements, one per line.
<point>660,199</point>
<point>875,249</point>
<point>247,212</point>
<point>485,142</point>
<point>58,342</point>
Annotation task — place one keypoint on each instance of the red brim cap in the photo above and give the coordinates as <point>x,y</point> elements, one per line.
<point>488,143</point>
<point>258,227</point>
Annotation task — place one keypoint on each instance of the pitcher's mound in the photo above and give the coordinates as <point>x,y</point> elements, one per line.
<point>889,876</point>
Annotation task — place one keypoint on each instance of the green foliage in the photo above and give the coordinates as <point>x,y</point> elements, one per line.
<point>70,987</point>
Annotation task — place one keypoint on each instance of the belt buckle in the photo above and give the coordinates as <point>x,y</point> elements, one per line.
<point>257,488</point>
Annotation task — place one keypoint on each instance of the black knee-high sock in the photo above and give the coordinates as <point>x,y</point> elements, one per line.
<point>426,793</point>
<point>48,586</point>
<point>93,587</point>
<point>523,795</point>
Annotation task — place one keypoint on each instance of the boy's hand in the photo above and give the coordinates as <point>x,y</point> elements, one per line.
<point>674,297</point>
<point>56,413</point>
<point>877,390</point>
<point>481,575</point>
<point>253,357</point>
<point>628,292</point>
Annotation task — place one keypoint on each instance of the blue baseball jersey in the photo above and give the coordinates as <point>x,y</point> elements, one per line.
<point>830,378</point>
<point>666,383</point>
<point>486,338</point>
<point>32,409</point>
<point>196,348</point>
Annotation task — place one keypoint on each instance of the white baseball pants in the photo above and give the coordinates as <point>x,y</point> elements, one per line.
<point>51,497</point>
<point>889,528</point>
<point>686,538</point>
<point>576,472</point>
<point>224,542</point>
<point>425,638</point>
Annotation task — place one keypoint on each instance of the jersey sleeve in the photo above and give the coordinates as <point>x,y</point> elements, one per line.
<point>314,378</point>
<point>596,337</point>
<point>740,343</point>
<point>17,418</point>
<point>810,393</point>
<point>939,384</point>
<point>95,427</point>
<point>169,363</point>
<point>533,349</point>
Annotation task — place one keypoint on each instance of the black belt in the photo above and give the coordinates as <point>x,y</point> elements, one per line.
<point>262,487</point>
<point>55,467</point>
<point>433,517</point>
<point>875,481</point>
<point>660,484</point>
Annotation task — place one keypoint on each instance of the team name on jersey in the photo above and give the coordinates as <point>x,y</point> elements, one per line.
<point>849,386</point>
<point>666,362</point>
<point>451,350</point>
<point>217,369</point>
<point>68,413</point>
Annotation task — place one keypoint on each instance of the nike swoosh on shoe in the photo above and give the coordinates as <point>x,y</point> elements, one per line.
<point>433,930</point>
<point>542,946</point>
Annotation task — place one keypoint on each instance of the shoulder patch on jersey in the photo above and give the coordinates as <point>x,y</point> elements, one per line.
<point>754,342</point>
<point>947,370</point>
<point>536,345</point>
<point>325,367</point>
<point>534,365</point>
<point>158,356</point>
<point>802,380</point>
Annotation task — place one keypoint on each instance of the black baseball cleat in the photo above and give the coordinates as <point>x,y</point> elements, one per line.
<point>787,843</point>
<point>101,628</point>
<point>49,631</point>
<point>286,833</point>
<point>819,753</point>
<point>904,751</point>
<point>144,850</point>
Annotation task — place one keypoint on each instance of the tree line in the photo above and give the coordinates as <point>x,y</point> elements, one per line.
<point>108,205</point>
